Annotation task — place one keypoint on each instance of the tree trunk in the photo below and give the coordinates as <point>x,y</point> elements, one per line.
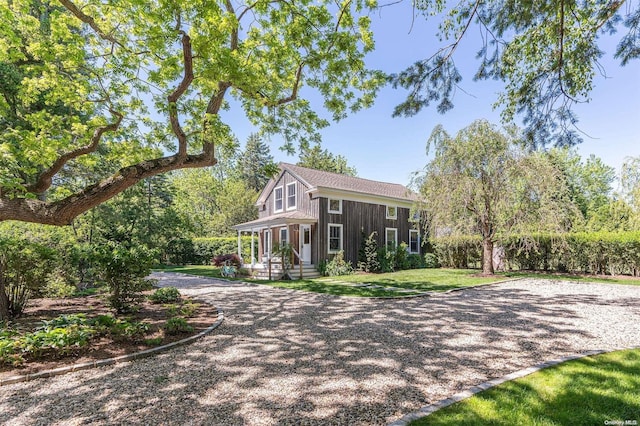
<point>487,256</point>
<point>4,299</point>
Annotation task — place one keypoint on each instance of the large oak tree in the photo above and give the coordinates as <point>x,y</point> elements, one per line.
<point>132,80</point>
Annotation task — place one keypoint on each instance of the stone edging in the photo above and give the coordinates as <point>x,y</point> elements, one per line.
<point>430,409</point>
<point>110,361</point>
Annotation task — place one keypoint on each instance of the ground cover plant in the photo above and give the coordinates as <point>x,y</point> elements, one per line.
<point>594,390</point>
<point>56,332</point>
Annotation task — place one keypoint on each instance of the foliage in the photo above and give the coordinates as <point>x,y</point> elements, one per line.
<point>97,93</point>
<point>256,163</point>
<point>317,158</point>
<point>545,51</point>
<point>386,259</point>
<point>181,251</point>
<point>223,259</point>
<point>484,182</point>
<point>63,335</point>
<point>368,253</point>
<point>165,295</point>
<point>24,267</point>
<point>458,251</point>
<point>401,262</point>
<point>124,266</point>
<point>177,325</point>
<point>431,260</point>
<point>338,266</point>
<point>208,248</point>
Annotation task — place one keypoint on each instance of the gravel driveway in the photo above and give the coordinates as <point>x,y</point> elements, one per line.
<point>285,357</point>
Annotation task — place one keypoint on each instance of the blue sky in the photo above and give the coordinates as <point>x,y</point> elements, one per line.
<point>390,149</point>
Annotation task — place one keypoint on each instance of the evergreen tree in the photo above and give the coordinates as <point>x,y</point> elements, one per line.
<point>256,164</point>
<point>319,159</point>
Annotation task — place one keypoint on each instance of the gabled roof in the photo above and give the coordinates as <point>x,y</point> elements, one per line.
<point>317,180</point>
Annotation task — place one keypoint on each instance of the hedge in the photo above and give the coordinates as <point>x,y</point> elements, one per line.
<point>596,253</point>
<point>201,251</point>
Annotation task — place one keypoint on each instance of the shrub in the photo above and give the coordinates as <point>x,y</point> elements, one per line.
<point>165,295</point>
<point>368,254</point>
<point>233,259</point>
<point>124,266</point>
<point>416,261</point>
<point>386,259</point>
<point>400,257</point>
<point>177,325</point>
<point>431,260</point>
<point>338,266</point>
<point>208,248</point>
<point>57,287</point>
<point>181,251</point>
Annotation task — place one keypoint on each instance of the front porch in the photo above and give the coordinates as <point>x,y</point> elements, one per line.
<point>294,229</point>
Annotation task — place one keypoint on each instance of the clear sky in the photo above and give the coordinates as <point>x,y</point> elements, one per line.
<point>390,149</point>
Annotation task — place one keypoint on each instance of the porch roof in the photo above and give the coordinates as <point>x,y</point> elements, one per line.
<point>281,219</point>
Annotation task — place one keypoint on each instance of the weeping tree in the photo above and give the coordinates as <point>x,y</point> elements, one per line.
<point>97,96</point>
<point>485,182</point>
<point>547,53</point>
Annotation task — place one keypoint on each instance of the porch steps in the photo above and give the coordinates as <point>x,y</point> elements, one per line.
<point>308,271</point>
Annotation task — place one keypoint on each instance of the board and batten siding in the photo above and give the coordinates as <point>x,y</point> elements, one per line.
<point>355,218</point>
<point>303,202</point>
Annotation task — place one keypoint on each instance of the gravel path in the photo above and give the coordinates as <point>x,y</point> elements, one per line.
<point>285,357</point>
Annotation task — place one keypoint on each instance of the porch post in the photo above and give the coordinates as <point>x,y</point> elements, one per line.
<point>253,258</point>
<point>240,245</point>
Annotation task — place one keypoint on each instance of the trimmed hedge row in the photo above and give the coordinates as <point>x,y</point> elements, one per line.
<point>201,251</point>
<point>595,253</point>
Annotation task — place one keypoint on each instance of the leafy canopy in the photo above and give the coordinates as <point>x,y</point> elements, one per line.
<point>545,51</point>
<point>93,83</point>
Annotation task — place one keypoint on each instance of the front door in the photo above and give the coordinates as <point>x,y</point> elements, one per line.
<point>305,243</point>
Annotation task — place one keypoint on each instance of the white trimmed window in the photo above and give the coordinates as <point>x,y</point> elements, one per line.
<point>284,236</point>
<point>291,196</point>
<point>414,241</point>
<point>392,212</point>
<point>267,243</point>
<point>335,238</point>
<point>335,206</point>
<point>391,238</point>
<point>277,199</point>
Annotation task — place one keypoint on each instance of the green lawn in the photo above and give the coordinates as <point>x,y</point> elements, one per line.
<point>418,280</point>
<point>597,390</point>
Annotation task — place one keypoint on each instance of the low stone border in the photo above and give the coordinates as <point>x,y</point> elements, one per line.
<point>110,361</point>
<point>430,409</point>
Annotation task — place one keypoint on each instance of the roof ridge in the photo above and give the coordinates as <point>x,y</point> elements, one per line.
<point>343,176</point>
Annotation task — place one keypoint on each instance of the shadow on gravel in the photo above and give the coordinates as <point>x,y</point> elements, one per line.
<point>284,357</point>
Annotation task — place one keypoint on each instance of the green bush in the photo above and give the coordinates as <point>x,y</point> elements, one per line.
<point>401,262</point>
<point>177,325</point>
<point>165,295</point>
<point>386,258</point>
<point>431,260</point>
<point>368,254</point>
<point>338,266</point>
<point>458,251</point>
<point>208,248</point>
<point>416,261</point>
<point>124,266</point>
<point>181,251</point>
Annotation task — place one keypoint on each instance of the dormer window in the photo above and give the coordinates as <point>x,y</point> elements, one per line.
<point>392,212</point>
<point>291,196</point>
<point>277,200</point>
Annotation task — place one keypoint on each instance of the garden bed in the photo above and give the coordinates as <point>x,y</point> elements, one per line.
<point>200,316</point>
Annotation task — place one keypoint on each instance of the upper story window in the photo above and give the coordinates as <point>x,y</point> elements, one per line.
<point>414,241</point>
<point>291,196</point>
<point>335,206</point>
<point>277,199</point>
<point>392,212</point>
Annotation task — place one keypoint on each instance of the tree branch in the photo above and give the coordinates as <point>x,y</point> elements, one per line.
<point>62,212</point>
<point>71,7</point>
<point>45,178</point>
<point>178,92</point>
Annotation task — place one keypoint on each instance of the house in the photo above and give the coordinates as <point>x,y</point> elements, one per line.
<point>321,213</point>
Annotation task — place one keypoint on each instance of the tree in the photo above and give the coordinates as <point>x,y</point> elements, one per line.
<point>79,81</point>
<point>545,51</point>
<point>484,182</point>
<point>319,159</point>
<point>256,163</point>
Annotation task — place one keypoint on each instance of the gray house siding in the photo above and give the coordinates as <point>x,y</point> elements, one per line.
<point>303,202</point>
<point>356,218</point>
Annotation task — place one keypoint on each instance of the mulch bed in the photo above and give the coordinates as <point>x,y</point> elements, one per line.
<point>155,315</point>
